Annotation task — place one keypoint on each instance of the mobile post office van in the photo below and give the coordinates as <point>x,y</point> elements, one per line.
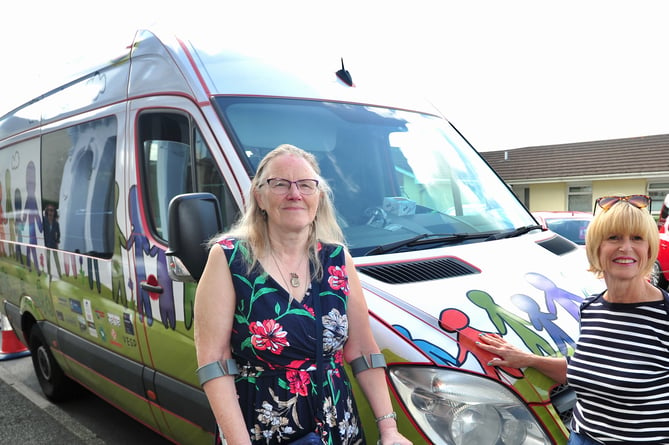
<point>444,249</point>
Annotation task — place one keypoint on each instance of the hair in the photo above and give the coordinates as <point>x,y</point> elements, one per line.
<point>53,206</point>
<point>251,228</point>
<point>621,219</point>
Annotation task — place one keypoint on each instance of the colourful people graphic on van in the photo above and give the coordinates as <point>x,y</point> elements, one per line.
<point>554,295</point>
<point>31,216</point>
<point>166,298</point>
<point>9,212</point>
<point>70,265</point>
<point>544,321</point>
<point>454,320</point>
<point>93,273</point>
<point>3,221</point>
<point>503,318</point>
<point>19,223</point>
<point>142,246</point>
<point>436,353</point>
<point>118,280</point>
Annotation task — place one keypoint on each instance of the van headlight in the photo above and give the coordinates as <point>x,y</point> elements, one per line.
<point>457,408</point>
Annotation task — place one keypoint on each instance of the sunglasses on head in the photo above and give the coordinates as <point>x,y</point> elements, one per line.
<point>638,201</point>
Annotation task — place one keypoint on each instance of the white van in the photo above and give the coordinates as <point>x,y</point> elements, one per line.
<point>444,249</point>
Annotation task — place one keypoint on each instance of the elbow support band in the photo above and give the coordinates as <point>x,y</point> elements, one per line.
<point>361,364</point>
<point>216,369</point>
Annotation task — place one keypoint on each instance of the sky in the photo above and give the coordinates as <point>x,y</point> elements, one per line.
<point>507,74</point>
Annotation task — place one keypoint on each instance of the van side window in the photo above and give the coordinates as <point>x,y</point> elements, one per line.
<point>169,143</point>
<point>77,181</point>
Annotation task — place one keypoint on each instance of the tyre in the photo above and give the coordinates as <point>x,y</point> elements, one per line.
<point>657,277</point>
<point>55,385</point>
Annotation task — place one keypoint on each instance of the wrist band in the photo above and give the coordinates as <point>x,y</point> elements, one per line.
<point>392,415</point>
<point>216,369</point>
<point>361,364</point>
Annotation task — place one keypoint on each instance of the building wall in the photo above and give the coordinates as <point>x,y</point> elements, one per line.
<point>637,186</point>
<point>554,196</point>
<point>548,197</point>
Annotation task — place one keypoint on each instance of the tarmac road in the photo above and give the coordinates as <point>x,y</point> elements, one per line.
<point>27,417</point>
<point>22,422</point>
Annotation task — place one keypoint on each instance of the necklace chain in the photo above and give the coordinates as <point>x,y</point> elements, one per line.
<point>294,278</point>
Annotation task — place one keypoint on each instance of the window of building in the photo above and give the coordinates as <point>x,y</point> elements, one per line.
<point>657,191</point>
<point>579,198</point>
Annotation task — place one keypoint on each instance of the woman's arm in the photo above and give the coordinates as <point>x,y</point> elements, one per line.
<point>214,311</point>
<point>511,356</point>
<point>361,343</point>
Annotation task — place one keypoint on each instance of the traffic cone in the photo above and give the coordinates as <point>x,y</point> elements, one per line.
<point>10,346</point>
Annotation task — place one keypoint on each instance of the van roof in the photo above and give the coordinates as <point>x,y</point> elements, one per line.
<point>199,68</point>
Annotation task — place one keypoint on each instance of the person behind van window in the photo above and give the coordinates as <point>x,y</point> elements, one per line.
<point>277,292</point>
<point>51,229</point>
<point>620,367</point>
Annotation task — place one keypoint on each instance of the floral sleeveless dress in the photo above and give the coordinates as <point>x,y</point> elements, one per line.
<point>274,344</point>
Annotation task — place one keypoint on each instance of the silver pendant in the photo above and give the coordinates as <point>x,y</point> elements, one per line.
<point>294,280</point>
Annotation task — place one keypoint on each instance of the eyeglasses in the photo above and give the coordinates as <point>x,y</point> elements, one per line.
<point>638,201</point>
<point>280,186</point>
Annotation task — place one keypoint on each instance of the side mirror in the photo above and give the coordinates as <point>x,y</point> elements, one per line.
<point>193,219</point>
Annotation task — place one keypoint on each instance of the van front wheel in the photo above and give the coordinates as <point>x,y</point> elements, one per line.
<point>53,381</point>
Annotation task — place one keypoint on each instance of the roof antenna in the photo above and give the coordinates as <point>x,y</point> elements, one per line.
<point>344,75</point>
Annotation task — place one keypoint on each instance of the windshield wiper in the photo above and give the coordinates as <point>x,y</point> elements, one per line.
<point>425,238</point>
<point>515,232</point>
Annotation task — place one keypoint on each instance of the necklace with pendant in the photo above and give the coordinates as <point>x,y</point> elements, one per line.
<point>294,277</point>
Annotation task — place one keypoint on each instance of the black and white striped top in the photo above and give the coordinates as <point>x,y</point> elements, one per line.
<point>620,372</point>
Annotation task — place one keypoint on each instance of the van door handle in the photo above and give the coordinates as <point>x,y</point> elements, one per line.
<point>151,287</point>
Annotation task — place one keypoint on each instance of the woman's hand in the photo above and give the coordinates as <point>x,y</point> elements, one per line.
<point>513,357</point>
<point>391,436</point>
<point>509,355</point>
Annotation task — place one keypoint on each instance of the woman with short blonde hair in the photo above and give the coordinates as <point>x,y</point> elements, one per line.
<point>621,219</point>
<point>620,367</point>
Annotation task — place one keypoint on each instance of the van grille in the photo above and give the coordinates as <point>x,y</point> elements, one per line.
<point>415,271</point>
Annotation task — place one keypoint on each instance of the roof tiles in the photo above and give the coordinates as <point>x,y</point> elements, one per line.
<point>637,156</point>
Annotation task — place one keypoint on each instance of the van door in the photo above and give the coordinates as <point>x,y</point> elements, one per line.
<point>172,155</point>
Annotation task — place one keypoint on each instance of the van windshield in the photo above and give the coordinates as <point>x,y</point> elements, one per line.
<point>396,175</point>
